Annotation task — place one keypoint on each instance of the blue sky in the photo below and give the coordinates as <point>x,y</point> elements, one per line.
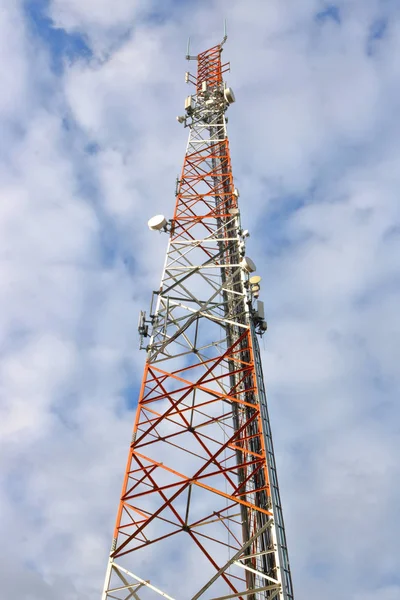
<point>63,46</point>
<point>90,149</point>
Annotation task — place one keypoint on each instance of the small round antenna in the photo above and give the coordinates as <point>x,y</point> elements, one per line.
<point>229,95</point>
<point>248,265</point>
<point>157,223</point>
<point>255,280</point>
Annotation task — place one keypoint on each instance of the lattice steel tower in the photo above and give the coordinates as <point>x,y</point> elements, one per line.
<point>200,513</point>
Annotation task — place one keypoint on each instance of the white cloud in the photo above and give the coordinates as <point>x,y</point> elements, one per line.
<point>80,14</point>
<point>14,69</point>
<point>96,20</point>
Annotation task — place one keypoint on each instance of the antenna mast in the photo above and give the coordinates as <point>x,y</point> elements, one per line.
<point>200,514</point>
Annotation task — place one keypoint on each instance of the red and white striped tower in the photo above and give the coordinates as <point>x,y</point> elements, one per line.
<point>200,514</point>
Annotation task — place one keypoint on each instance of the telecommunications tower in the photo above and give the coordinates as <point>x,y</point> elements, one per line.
<point>200,514</point>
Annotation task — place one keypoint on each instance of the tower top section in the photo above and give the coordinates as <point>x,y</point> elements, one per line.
<point>212,96</point>
<point>210,68</point>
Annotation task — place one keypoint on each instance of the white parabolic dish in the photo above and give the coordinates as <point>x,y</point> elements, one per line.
<point>157,222</point>
<point>255,280</point>
<point>229,95</point>
<point>248,265</point>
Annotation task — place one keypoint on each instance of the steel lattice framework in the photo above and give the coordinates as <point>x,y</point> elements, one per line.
<point>200,513</point>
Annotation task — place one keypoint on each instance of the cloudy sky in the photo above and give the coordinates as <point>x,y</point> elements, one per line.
<point>89,150</point>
